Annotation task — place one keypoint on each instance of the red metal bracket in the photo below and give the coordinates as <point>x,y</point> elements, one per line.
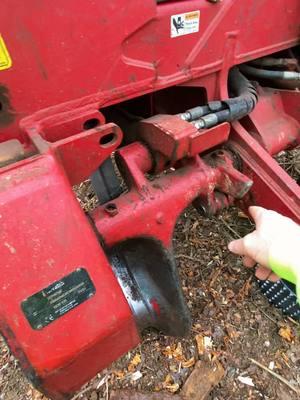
<point>153,206</point>
<point>270,122</point>
<point>272,187</point>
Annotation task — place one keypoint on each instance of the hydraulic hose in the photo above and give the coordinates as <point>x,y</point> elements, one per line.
<point>267,74</point>
<point>216,112</point>
<point>274,62</point>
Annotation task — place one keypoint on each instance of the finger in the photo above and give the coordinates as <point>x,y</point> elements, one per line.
<point>237,247</point>
<point>262,273</point>
<point>250,246</point>
<point>248,262</point>
<point>256,213</point>
<point>273,277</point>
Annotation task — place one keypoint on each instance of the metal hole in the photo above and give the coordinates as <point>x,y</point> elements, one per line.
<point>91,123</point>
<point>107,140</point>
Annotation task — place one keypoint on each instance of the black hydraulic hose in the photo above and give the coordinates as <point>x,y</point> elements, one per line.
<point>267,74</point>
<point>245,92</point>
<point>274,62</point>
<point>216,112</point>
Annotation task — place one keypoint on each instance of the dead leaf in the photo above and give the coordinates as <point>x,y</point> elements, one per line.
<point>286,333</point>
<point>173,388</point>
<point>189,363</point>
<point>134,362</point>
<point>178,354</point>
<point>119,374</point>
<point>168,380</point>
<point>170,385</point>
<point>174,352</point>
<point>167,351</point>
<point>200,344</point>
<point>232,333</point>
<point>214,356</point>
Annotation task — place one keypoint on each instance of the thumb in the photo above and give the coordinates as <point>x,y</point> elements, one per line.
<point>256,213</point>
<point>237,247</point>
<point>252,246</point>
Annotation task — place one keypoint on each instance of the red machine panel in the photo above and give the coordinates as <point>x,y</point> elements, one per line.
<point>52,254</point>
<point>96,52</point>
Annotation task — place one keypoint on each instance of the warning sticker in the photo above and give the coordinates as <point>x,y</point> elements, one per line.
<point>184,24</point>
<point>5,60</point>
<point>57,299</point>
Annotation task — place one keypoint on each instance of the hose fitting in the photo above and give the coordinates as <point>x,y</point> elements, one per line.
<point>216,112</point>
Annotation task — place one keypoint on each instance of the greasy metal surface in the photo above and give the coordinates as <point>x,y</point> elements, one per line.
<point>148,275</point>
<point>66,58</point>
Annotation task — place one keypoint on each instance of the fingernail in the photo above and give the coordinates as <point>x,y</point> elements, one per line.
<point>230,246</point>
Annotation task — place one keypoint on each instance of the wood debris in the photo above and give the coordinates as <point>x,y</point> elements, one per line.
<point>205,376</point>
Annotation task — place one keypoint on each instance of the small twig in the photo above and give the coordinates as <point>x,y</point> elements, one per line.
<point>150,369</point>
<point>230,228</point>
<point>293,321</point>
<point>4,367</point>
<point>102,382</point>
<point>275,375</point>
<point>268,316</point>
<point>188,257</point>
<point>106,390</point>
<point>214,276</point>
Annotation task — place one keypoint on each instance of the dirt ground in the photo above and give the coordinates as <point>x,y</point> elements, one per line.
<point>232,323</point>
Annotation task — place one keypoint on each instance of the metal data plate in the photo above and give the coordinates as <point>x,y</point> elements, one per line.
<point>57,299</point>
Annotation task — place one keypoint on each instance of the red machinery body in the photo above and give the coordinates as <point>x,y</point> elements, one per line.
<point>67,309</point>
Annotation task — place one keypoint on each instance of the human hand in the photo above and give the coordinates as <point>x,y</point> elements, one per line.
<point>273,245</point>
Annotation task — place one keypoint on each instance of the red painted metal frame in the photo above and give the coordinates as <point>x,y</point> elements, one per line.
<point>86,54</point>
<point>273,188</point>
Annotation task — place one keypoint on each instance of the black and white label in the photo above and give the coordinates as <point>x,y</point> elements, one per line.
<point>184,24</point>
<point>57,299</point>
